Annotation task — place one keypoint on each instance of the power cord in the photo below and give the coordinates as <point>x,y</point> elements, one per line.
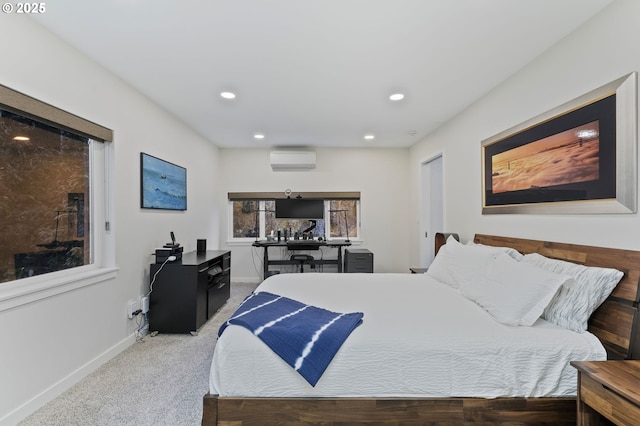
<point>169,259</point>
<point>253,260</point>
<point>140,322</point>
<point>143,320</point>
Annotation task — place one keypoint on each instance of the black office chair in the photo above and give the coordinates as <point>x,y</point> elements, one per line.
<point>302,259</point>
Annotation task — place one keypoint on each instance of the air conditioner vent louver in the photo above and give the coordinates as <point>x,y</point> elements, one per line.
<point>293,160</point>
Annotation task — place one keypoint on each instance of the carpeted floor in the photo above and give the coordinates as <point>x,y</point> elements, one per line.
<point>158,381</point>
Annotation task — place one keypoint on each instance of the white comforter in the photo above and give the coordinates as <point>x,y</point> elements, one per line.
<point>419,338</point>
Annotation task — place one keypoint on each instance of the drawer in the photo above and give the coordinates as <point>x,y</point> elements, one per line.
<point>358,253</point>
<point>358,267</point>
<point>360,257</point>
<point>218,294</point>
<point>608,403</point>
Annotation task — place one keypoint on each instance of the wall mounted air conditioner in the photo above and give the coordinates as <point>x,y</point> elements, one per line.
<point>293,160</point>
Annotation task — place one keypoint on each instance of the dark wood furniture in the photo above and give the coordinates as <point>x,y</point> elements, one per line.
<point>300,245</point>
<point>358,260</point>
<point>615,323</point>
<point>189,291</point>
<point>608,390</point>
<point>440,239</point>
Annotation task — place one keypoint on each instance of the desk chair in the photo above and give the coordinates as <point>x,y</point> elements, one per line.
<point>302,259</point>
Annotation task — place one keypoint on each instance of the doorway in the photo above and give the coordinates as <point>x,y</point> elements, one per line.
<point>431,208</point>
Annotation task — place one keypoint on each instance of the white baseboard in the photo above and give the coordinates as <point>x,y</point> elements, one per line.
<point>65,383</point>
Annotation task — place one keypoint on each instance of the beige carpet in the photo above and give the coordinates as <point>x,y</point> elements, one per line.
<point>159,381</point>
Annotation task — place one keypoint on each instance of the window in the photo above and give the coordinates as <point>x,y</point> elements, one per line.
<point>246,218</point>
<point>252,216</point>
<point>47,181</point>
<point>344,218</point>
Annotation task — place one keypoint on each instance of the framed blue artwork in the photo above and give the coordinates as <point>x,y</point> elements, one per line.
<point>163,185</point>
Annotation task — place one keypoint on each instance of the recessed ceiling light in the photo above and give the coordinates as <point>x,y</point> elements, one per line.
<point>396,97</point>
<point>259,136</point>
<point>369,137</point>
<point>228,95</point>
<point>21,138</point>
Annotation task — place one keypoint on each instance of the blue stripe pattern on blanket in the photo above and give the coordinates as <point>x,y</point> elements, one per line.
<point>305,337</point>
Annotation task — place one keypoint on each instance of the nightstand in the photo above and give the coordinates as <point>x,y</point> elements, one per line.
<point>609,389</point>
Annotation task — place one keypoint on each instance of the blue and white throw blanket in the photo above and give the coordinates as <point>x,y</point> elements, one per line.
<point>305,336</point>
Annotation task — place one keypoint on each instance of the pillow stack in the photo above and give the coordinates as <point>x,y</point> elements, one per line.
<point>514,293</point>
<point>517,290</point>
<point>577,300</point>
<point>457,264</point>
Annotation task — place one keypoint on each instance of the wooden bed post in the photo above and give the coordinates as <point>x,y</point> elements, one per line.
<point>210,410</point>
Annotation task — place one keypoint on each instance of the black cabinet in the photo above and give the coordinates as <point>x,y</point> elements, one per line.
<point>358,260</point>
<point>187,292</point>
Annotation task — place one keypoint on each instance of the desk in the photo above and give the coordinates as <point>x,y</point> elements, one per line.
<point>299,245</point>
<point>608,389</point>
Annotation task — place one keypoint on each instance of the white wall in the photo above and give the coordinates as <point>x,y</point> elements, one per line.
<point>50,344</point>
<point>381,176</point>
<point>601,51</point>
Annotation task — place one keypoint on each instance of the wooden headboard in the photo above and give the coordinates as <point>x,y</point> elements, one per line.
<point>616,322</point>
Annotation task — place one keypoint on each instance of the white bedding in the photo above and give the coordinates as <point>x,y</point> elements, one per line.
<point>419,338</point>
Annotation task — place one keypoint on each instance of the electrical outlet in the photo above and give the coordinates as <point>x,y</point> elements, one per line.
<point>131,308</point>
<point>144,304</point>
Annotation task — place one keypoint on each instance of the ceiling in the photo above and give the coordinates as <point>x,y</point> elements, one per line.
<point>315,72</point>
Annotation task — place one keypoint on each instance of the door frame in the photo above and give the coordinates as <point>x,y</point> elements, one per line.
<point>431,214</point>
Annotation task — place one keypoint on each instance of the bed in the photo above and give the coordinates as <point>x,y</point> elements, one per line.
<point>273,395</point>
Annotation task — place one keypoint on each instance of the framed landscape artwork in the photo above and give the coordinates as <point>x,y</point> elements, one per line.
<point>163,185</point>
<point>577,158</point>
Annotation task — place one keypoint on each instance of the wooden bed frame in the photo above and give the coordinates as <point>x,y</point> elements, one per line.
<point>615,323</point>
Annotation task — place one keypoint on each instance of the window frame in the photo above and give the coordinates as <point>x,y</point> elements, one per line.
<point>102,263</point>
<point>261,197</point>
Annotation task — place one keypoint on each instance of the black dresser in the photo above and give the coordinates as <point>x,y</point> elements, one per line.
<point>187,292</point>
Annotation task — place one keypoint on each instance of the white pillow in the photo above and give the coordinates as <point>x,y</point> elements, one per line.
<point>514,293</point>
<point>510,251</point>
<point>578,299</point>
<point>457,263</point>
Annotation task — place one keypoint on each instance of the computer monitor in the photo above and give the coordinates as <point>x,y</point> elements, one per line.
<point>297,208</point>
